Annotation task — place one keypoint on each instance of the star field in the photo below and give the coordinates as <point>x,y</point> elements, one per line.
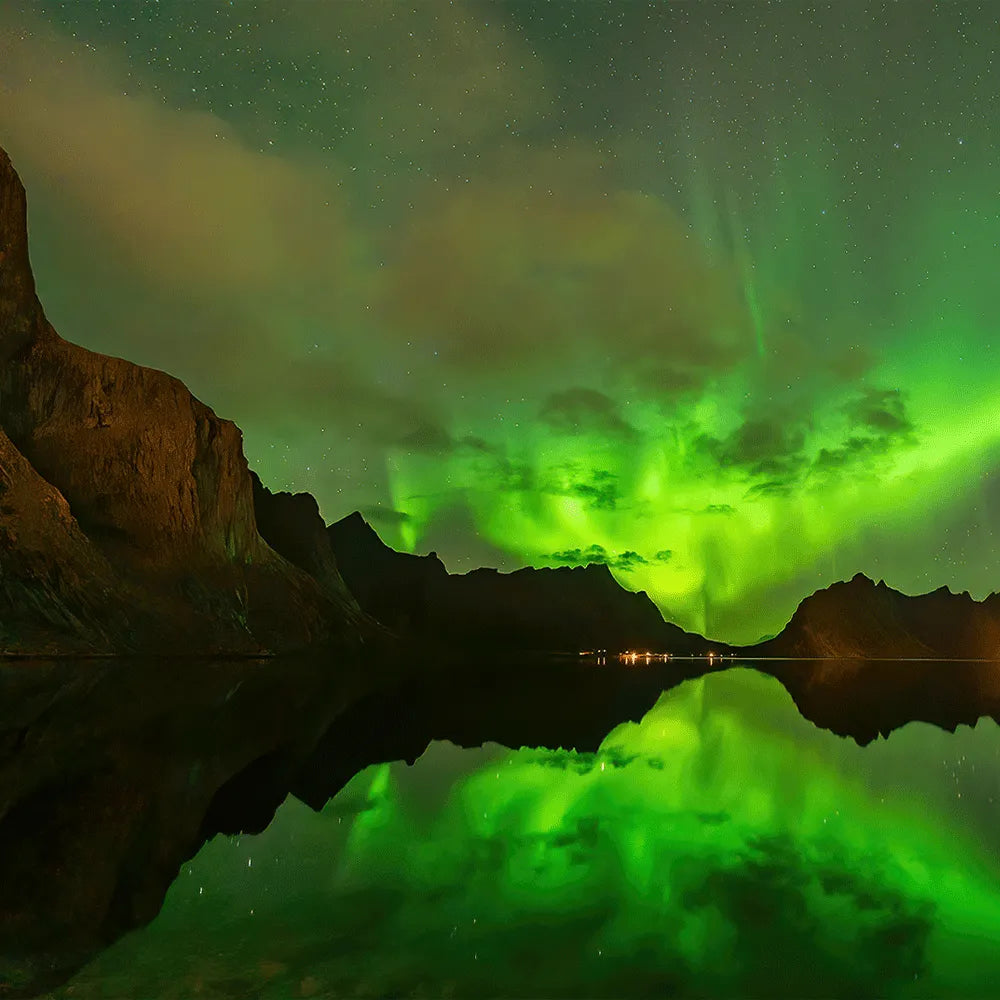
<point>704,291</point>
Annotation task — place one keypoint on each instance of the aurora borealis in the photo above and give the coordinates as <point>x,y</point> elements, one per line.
<point>705,291</point>
<point>722,846</point>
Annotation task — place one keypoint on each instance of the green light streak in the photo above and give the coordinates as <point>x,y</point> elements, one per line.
<point>862,415</point>
<point>723,845</point>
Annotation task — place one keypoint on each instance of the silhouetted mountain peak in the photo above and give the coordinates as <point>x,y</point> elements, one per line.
<point>551,608</point>
<point>355,526</point>
<point>866,619</point>
<point>292,525</point>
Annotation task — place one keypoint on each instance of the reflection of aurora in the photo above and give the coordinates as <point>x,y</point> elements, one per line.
<point>723,846</point>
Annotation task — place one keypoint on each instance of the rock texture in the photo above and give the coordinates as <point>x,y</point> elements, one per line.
<point>861,618</point>
<point>57,590</point>
<point>291,524</point>
<point>565,609</point>
<point>150,485</point>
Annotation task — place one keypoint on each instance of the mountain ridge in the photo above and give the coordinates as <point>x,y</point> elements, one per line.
<point>152,492</point>
<point>864,618</point>
<point>130,521</point>
<point>561,609</point>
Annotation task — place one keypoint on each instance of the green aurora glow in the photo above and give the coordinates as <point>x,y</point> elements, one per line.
<point>723,846</point>
<point>710,287</point>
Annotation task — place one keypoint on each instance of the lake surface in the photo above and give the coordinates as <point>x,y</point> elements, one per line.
<point>722,846</point>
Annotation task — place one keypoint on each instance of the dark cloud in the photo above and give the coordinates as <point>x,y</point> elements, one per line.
<point>514,477</point>
<point>664,555</point>
<point>581,411</point>
<point>882,411</point>
<point>377,514</point>
<point>598,554</point>
<point>720,508</point>
<point>581,557</point>
<point>853,450</point>
<point>430,438</point>
<point>879,422</point>
<point>666,381</point>
<point>762,447</point>
<point>600,490</point>
<point>453,534</point>
<point>628,560</point>
<point>772,487</point>
<point>510,268</point>
<point>771,895</point>
<point>434,439</point>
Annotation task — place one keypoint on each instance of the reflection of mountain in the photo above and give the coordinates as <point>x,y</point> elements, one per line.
<point>862,618</point>
<point>531,609</point>
<point>128,511</point>
<point>111,776</point>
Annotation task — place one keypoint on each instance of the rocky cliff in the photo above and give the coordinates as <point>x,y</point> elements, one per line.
<point>562,609</point>
<point>152,496</point>
<point>866,619</point>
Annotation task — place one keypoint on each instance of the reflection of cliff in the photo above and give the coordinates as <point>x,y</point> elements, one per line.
<point>531,609</point>
<point>111,776</point>
<point>127,512</point>
<point>862,618</point>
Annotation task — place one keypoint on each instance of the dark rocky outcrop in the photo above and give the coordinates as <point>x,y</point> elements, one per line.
<point>291,524</point>
<point>866,619</point>
<point>397,588</point>
<point>565,609</point>
<point>154,498</point>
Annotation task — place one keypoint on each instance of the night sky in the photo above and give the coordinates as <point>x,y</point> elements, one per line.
<point>707,292</point>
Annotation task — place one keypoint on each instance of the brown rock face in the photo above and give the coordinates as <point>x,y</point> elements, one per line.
<point>19,310</point>
<point>155,484</point>
<point>291,524</point>
<point>145,467</point>
<point>57,591</point>
<point>861,618</point>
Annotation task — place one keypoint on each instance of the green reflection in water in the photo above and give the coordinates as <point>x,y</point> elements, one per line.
<point>723,846</point>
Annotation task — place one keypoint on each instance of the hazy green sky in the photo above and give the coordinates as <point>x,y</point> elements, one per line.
<point>713,285</point>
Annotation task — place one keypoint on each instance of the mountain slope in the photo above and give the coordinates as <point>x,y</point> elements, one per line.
<point>562,609</point>
<point>867,619</point>
<point>156,486</point>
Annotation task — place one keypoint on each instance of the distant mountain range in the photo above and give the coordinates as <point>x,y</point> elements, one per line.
<point>585,607</point>
<point>868,619</point>
<point>565,609</point>
<point>130,522</point>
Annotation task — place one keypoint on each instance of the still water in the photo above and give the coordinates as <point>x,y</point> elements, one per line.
<point>723,846</point>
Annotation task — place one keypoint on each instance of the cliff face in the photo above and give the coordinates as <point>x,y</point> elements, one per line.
<point>155,485</point>
<point>531,609</point>
<point>291,524</point>
<point>864,619</point>
<point>19,310</point>
<point>57,591</point>
<point>399,589</point>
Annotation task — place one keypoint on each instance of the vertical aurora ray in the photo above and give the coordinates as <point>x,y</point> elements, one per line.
<point>861,414</point>
<point>745,264</point>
